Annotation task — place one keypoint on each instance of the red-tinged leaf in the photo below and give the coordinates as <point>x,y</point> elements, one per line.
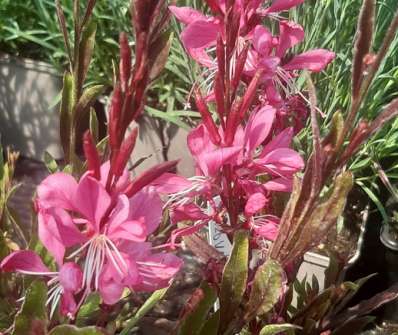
<point>159,53</point>
<point>125,152</point>
<point>207,118</point>
<point>115,116</point>
<point>234,279</point>
<point>219,95</point>
<point>266,289</point>
<point>214,7</point>
<point>142,13</point>
<point>62,25</point>
<point>202,249</point>
<point>315,225</point>
<point>240,64</point>
<point>89,11</point>
<point>220,54</point>
<point>125,61</point>
<point>363,43</point>
<point>197,309</point>
<point>91,153</point>
<point>66,110</point>
<point>249,95</point>
<point>86,48</point>
<point>148,177</point>
<point>363,308</point>
<point>88,98</point>
<point>232,121</point>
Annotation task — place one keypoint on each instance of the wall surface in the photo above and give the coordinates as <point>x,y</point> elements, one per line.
<point>28,89</point>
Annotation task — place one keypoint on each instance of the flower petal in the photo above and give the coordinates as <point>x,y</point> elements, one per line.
<point>314,60</point>
<point>57,190</point>
<point>211,162</point>
<point>24,260</point>
<point>171,183</point>
<point>157,271</point>
<point>282,140</point>
<point>186,15</point>
<point>262,40</point>
<point>68,306</point>
<point>146,206</point>
<point>187,212</point>
<point>129,230</point>
<point>255,203</point>
<point>290,34</point>
<point>92,200</point>
<point>258,127</point>
<point>279,185</point>
<point>121,183</point>
<point>57,231</point>
<point>70,277</point>
<point>282,162</point>
<point>200,34</point>
<point>281,5</point>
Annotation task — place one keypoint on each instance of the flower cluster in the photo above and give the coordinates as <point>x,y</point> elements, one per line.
<point>245,156</point>
<point>97,238</point>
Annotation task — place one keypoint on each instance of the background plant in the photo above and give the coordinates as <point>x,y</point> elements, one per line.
<point>335,29</point>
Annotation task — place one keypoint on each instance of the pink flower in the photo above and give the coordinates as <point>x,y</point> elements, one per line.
<point>63,285</point>
<point>106,225</point>
<point>274,158</point>
<point>268,53</point>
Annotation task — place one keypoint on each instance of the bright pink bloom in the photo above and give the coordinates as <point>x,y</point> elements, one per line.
<point>110,224</point>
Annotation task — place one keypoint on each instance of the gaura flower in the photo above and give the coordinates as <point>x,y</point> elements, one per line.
<point>107,231</point>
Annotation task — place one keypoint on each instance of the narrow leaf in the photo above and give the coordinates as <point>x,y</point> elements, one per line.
<point>66,109</point>
<point>363,43</point>
<point>204,300</point>
<point>234,278</point>
<point>145,308</point>
<point>72,330</point>
<point>86,49</point>
<point>267,287</point>
<point>277,329</point>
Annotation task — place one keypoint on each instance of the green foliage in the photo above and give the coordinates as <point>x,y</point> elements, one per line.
<point>30,29</point>
<point>234,278</point>
<point>72,330</point>
<point>277,329</point>
<point>266,289</point>
<point>335,28</point>
<point>145,308</point>
<point>194,321</point>
<point>32,318</point>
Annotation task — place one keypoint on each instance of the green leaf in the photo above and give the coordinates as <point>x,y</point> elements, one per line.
<point>89,310</point>
<point>50,162</point>
<point>267,287</point>
<point>194,321</point>
<point>277,329</point>
<point>72,330</point>
<point>66,110</point>
<point>32,318</point>
<point>234,278</point>
<point>89,96</point>
<point>167,117</point>
<point>145,308</point>
<point>210,327</point>
<point>94,125</point>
